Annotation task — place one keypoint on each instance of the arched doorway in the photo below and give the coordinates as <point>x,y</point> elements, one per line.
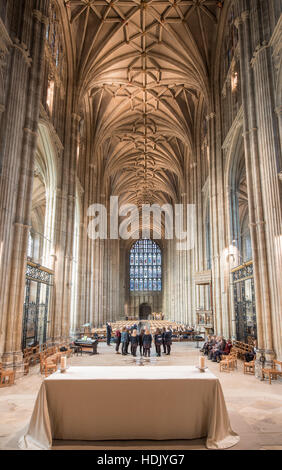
<point>144,311</point>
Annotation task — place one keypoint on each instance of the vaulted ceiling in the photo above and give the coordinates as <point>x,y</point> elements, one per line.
<point>145,65</point>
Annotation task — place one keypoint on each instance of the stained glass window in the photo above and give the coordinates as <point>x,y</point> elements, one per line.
<point>145,260</point>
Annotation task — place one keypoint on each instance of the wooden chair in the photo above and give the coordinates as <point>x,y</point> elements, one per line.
<point>55,358</point>
<point>26,367</point>
<point>7,377</point>
<point>224,365</point>
<point>232,357</point>
<point>249,367</point>
<point>42,365</point>
<point>273,372</point>
<point>49,368</point>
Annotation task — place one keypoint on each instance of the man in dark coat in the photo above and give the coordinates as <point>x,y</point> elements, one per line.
<point>124,336</point>
<point>147,343</point>
<point>168,341</point>
<point>109,334</point>
<point>127,339</point>
<point>141,342</point>
<point>163,339</point>
<point>158,341</point>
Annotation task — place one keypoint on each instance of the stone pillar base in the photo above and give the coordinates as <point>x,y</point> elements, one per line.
<point>14,361</point>
<point>264,359</point>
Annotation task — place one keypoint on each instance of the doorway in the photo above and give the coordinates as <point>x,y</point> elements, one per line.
<point>144,311</point>
<point>38,289</point>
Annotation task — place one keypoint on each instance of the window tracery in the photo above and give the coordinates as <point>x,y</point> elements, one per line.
<point>145,261</point>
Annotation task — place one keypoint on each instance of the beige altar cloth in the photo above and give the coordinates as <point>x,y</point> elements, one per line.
<point>130,403</point>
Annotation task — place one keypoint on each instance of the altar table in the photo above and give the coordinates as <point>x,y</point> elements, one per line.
<point>130,403</point>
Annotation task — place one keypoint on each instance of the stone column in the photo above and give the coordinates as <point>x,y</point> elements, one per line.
<point>216,221</point>
<point>269,147</point>
<point>22,110</point>
<point>254,183</point>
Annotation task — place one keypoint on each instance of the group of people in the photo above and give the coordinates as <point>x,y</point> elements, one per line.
<point>144,340</point>
<point>215,347</point>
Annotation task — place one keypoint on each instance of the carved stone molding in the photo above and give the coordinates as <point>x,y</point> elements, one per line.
<point>276,38</point>
<point>5,44</point>
<point>40,17</point>
<point>79,187</point>
<point>54,74</point>
<point>5,40</point>
<point>56,140</point>
<point>276,44</point>
<point>210,116</point>
<point>238,121</point>
<point>245,15</point>
<point>238,21</point>
<point>260,48</point>
<point>24,50</point>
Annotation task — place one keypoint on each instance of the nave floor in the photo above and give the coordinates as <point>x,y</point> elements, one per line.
<point>255,408</point>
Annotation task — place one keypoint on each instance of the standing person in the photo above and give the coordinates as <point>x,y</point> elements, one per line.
<point>118,341</point>
<point>147,343</point>
<point>124,335</point>
<point>109,334</point>
<point>158,341</point>
<point>127,339</point>
<point>141,342</point>
<point>134,342</point>
<point>168,340</point>
<point>163,339</point>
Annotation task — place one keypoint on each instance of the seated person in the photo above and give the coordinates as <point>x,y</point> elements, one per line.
<point>214,347</point>
<point>250,355</point>
<point>95,346</point>
<point>208,345</point>
<point>228,347</point>
<point>219,350</point>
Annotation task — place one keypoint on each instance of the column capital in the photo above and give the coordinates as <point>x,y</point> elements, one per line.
<point>30,131</point>
<point>24,50</point>
<point>238,21</point>
<point>258,50</point>
<point>18,224</point>
<point>40,16</point>
<point>257,223</point>
<point>245,15</point>
<point>76,117</point>
<point>210,116</point>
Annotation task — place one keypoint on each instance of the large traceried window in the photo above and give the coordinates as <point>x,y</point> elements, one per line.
<point>145,266</point>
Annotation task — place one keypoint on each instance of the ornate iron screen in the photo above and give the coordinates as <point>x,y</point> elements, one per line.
<point>244,302</point>
<point>39,282</point>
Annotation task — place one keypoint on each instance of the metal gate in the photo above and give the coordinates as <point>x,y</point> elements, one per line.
<point>244,302</point>
<point>38,289</point>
